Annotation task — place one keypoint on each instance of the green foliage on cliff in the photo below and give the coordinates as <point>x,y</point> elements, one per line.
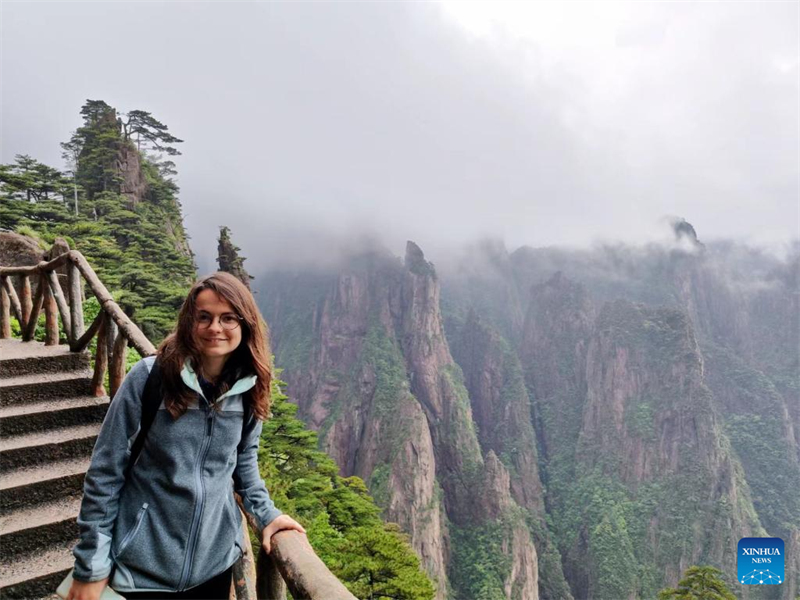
<point>377,379</point>
<point>293,340</point>
<point>480,565</point>
<point>453,378</point>
<point>699,583</point>
<point>228,257</point>
<point>612,554</point>
<point>382,354</point>
<point>552,584</point>
<point>137,245</point>
<point>648,528</point>
<point>672,508</point>
<point>631,525</point>
<point>754,421</point>
<point>373,559</point>
<point>488,360</point>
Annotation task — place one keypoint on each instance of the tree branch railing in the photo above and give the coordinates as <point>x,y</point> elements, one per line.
<point>292,562</point>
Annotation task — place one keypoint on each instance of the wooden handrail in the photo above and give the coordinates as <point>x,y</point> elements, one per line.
<point>50,296</point>
<point>303,571</point>
<point>50,265</point>
<point>292,560</point>
<point>71,309</point>
<point>293,564</point>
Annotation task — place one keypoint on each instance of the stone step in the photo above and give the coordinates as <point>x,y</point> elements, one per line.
<point>35,574</point>
<point>38,527</point>
<point>42,483</point>
<point>38,387</point>
<point>50,414</point>
<point>30,449</point>
<point>21,358</point>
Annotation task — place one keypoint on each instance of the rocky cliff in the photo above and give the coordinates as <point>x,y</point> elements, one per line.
<point>372,371</point>
<point>602,415</point>
<point>651,468</point>
<point>749,309</point>
<point>133,184</point>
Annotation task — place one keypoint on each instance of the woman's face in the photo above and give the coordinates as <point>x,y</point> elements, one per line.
<point>212,314</point>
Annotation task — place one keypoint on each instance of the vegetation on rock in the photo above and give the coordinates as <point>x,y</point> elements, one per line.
<point>228,257</point>
<point>372,558</point>
<point>699,583</point>
<point>138,248</point>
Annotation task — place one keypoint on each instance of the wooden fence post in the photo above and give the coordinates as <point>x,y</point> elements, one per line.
<point>25,300</point>
<point>116,368</point>
<point>63,307</point>
<point>8,286</point>
<point>75,300</point>
<point>29,329</point>
<point>5,311</point>
<point>101,359</point>
<point>50,313</point>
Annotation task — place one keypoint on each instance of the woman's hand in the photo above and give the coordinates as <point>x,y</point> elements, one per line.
<point>278,524</point>
<point>87,591</point>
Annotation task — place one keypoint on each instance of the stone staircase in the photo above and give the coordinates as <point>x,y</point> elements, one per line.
<point>49,422</point>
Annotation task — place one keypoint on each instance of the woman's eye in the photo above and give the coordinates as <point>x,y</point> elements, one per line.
<point>228,319</point>
<point>204,319</point>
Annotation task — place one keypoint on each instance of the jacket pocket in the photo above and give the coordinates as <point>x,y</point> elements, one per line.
<point>134,530</point>
<point>233,512</point>
<point>236,524</point>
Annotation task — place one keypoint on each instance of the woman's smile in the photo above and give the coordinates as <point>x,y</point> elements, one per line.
<point>218,330</point>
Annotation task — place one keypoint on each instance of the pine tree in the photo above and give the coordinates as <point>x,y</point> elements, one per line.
<point>99,141</point>
<point>698,583</point>
<point>145,127</point>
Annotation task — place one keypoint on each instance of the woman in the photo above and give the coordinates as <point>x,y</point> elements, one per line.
<point>171,528</point>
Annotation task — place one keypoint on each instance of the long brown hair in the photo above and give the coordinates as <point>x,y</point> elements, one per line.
<point>251,357</point>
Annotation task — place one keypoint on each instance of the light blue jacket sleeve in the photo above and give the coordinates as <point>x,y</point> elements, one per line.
<point>105,477</point>
<point>247,481</point>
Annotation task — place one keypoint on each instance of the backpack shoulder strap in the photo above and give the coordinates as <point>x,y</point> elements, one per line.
<point>151,400</point>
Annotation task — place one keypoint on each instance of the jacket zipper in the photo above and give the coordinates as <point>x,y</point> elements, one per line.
<point>129,536</point>
<point>199,505</point>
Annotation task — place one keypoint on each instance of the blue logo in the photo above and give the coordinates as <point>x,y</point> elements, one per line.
<point>760,561</point>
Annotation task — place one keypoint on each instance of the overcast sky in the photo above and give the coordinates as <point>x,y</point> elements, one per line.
<point>541,124</point>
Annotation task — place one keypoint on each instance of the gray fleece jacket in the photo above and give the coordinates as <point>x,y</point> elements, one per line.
<point>174,523</point>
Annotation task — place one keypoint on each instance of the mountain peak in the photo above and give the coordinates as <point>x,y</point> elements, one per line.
<point>415,260</point>
<point>685,232</point>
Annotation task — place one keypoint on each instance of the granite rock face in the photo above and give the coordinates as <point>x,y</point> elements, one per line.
<point>18,250</point>
<point>377,380</point>
<point>613,399</point>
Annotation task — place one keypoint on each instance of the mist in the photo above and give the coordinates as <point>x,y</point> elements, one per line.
<point>310,127</point>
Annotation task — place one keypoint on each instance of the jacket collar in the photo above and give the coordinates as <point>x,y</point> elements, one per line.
<point>189,377</point>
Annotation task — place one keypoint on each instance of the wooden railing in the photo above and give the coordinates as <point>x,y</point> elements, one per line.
<point>292,562</point>
<point>113,328</point>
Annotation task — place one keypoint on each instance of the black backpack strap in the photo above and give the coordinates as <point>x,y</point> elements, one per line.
<point>151,400</point>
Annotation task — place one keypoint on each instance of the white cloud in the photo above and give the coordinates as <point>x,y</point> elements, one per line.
<point>540,123</point>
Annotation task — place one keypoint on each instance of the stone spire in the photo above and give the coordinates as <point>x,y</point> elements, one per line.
<point>229,259</point>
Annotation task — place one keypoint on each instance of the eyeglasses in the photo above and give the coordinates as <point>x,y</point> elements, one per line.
<point>227,321</point>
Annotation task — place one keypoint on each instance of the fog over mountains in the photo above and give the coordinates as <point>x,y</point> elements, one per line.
<point>306,124</point>
<point>459,219</point>
<point>547,421</point>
